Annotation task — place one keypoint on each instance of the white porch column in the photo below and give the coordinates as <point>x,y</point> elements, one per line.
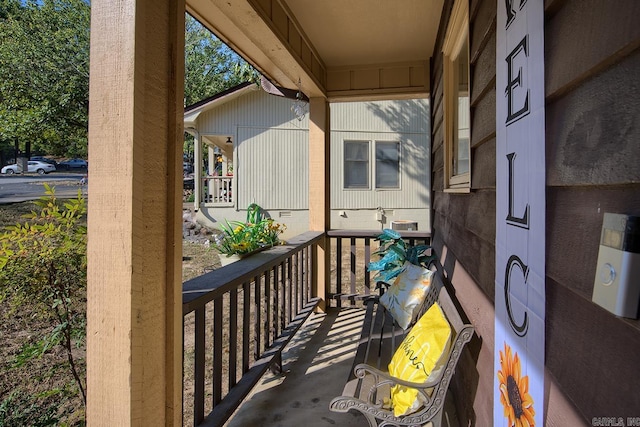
<point>319,185</point>
<point>134,327</point>
<point>197,170</point>
<point>211,162</point>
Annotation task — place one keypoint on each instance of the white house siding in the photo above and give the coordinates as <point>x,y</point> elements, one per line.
<point>403,121</point>
<point>411,116</point>
<point>270,159</point>
<point>272,168</point>
<point>256,109</point>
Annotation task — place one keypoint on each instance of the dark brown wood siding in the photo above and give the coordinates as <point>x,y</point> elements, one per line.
<point>592,88</point>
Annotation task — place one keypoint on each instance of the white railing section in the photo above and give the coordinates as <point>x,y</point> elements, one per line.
<point>218,190</point>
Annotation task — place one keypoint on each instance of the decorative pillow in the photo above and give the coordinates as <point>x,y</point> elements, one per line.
<point>417,357</point>
<point>405,296</point>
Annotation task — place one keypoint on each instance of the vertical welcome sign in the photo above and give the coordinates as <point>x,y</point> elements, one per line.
<point>520,215</point>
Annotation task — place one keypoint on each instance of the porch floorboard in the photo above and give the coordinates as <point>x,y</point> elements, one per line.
<point>316,365</point>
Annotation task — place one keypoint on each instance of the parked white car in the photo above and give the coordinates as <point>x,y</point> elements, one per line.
<point>32,166</point>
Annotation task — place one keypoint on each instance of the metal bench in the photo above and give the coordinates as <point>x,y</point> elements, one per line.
<point>369,383</point>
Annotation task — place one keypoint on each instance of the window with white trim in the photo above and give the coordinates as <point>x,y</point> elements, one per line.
<point>387,164</point>
<point>359,170</point>
<point>356,164</point>
<point>457,116</point>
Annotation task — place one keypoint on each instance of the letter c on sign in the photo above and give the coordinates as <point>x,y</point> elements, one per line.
<point>514,260</point>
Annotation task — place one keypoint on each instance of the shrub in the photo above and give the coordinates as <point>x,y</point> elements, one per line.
<point>43,265</point>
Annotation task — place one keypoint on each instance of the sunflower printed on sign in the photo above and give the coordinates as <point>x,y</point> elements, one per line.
<point>514,391</point>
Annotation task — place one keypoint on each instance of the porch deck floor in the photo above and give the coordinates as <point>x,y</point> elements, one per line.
<point>316,365</point>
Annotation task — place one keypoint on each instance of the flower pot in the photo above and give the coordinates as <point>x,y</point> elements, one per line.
<point>226,260</point>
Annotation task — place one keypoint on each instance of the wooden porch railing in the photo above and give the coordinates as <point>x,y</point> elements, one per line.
<point>237,319</point>
<point>351,253</point>
<point>218,190</point>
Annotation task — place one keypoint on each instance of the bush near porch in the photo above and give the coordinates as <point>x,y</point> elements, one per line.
<point>40,391</point>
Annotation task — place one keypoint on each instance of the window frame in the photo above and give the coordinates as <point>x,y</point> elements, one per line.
<point>344,164</point>
<point>372,160</point>
<point>375,166</point>
<point>456,36</point>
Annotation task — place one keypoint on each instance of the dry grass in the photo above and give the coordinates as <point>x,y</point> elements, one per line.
<point>198,258</point>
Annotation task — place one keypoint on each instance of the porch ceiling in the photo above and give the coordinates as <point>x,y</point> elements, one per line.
<point>364,49</point>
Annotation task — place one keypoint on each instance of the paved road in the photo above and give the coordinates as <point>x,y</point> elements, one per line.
<point>20,188</point>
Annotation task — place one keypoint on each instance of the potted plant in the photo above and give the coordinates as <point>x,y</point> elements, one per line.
<point>245,238</point>
<point>408,266</point>
<point>395,253</point>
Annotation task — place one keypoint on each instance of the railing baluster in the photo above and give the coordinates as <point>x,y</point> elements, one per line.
<point>258,313</point>
<point>246,325</point>
<point>267,300</point>
<point>367,260</point>
<point>233,337</point>
<point>284,312</point>
<point>299,276</point>
<point>198,369</point>
<point>277,309</point>
<point>291,285</point>
<point>339,272</point>
<point>353,259</point>
<point>306,290</point>
<point>217,350</point>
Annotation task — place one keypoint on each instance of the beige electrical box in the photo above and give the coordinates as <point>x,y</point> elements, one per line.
<point>617,282</point>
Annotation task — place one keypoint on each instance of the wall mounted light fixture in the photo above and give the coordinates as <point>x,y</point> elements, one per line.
<point>299,107</point>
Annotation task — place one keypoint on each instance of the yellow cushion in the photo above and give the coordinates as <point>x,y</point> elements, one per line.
<point>405,296</point>
<point>419,353</point>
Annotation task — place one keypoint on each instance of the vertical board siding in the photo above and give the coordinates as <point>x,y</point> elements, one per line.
<point>410,116</point>
<point>256,109</point>
<point>262,123</point>
<point>592,69</point>
<point>272,168</point>
<point>271,149</point>
<point>404,121</point>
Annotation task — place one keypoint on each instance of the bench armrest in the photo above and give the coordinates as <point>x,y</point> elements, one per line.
<point>382,286</point>
<point>362,369</point>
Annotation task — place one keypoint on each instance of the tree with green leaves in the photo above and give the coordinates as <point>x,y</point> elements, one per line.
<point>210,68</point>
<point>210,65</point>
<point>44,62</point>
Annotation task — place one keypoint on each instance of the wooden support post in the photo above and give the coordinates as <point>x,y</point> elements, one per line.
<point>319,201</point>
<point>134,310</point>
